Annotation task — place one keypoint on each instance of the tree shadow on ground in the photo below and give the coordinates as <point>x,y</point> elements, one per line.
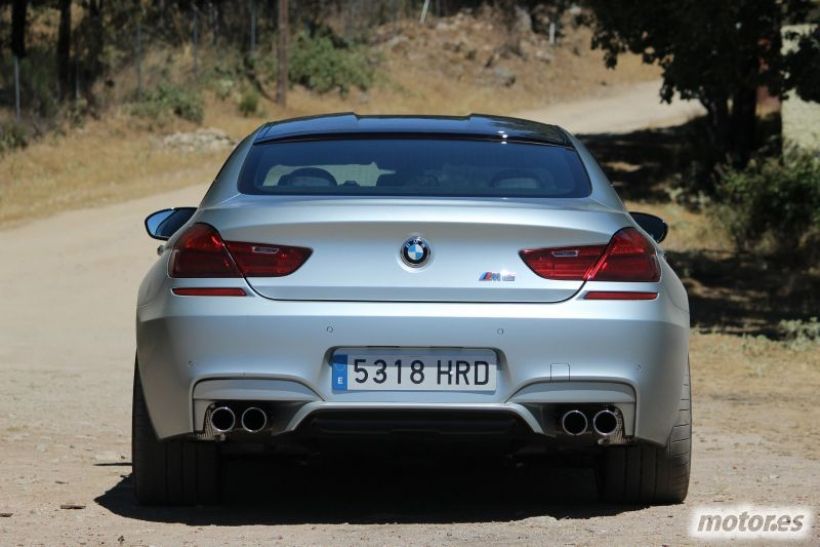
<point>642,163</point>
<point>735,293</point>
<point>381,490</point>
<point>732,293</point>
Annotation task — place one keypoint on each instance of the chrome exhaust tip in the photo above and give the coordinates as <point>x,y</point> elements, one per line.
<point>605,423</point>
<point>254,419</point>
<point>223,419</point>
<point>574,423</point>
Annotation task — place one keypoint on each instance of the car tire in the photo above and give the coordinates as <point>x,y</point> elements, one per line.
<point>650,474</point>
<point>172,472</point>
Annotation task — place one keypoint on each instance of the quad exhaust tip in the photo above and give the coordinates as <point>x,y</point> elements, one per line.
<point>223,419</point>
<point>605,423</point>
<point>254,419</point>
<point>574,423</point>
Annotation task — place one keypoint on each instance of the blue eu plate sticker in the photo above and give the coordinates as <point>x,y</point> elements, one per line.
<point>339,363</point>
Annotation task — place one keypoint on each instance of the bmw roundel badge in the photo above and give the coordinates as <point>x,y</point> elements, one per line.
<point>415,251</point>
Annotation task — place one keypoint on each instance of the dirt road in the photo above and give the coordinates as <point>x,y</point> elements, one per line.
<point>67,289</point>
<point>625,109</point>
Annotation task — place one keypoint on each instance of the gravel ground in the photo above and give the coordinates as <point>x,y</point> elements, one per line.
<point>68,285</point>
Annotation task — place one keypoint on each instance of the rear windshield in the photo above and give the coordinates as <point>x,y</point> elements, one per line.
<point>413,167</point>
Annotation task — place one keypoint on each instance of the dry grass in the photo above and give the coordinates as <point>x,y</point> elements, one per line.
<point>449,69</point>
<point>106,161</point>
<point>688,230</point>
<point>119,157</point>
<point>759,386</point>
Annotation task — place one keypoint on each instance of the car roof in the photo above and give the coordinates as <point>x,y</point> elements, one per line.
<point>352,125</point>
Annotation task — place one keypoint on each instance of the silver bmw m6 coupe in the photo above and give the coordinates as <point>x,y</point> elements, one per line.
<point>460,278</point>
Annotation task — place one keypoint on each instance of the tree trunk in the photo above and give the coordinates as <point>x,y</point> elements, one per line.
<point>717,128</point>
<point>282,54</point>
<point>252,7</point>
<point>18,47</point>
<point>96,15</point>
<point>16,89</point>
<point>424,9</point>
<point>216,22</point>
<point>731,126</point>
<point>195,39</point>
<point>743,126</point>
<point>64,49</point>
<point>138,54</point>
<point>93,66</point>
<point>18,28</point>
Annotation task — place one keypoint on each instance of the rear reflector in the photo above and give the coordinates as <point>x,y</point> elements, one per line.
<point>209,291</point>
<point>201,252</point>
<point>629,256</point>
<point>620,295</point>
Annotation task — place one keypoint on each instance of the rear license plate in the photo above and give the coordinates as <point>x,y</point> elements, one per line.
<point>383,369</point>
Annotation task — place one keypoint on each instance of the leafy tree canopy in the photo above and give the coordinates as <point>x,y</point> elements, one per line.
<point>718,52</point>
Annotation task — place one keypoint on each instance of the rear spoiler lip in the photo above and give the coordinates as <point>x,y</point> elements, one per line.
<point>432,135</point>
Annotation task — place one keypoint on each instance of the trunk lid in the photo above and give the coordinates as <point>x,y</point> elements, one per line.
<point>357,245</point>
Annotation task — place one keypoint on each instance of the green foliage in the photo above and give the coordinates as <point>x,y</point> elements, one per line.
<point>705,48</point>
<point>223,87</point>
<point>774,202</point>
<point>800,334</point>
<point>38,83</point>
<point>12,136</point>
<point>168,99</point>
<point>76,112</point>
<point>717,52</point>
<point>805,66</point>
<point>321,65</point>
<point>223,75</point>
<point>249,102</point>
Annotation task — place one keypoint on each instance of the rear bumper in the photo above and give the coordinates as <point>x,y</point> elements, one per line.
<point>194,351</point>
<point>294,403</point>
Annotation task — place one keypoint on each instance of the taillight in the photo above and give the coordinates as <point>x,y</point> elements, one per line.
<point>201,252</point>
<point>566,263</point>
<point>257,260</point>
<point>629,256</point>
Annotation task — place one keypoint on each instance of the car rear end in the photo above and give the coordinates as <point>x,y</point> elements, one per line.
<point>460,286</point>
